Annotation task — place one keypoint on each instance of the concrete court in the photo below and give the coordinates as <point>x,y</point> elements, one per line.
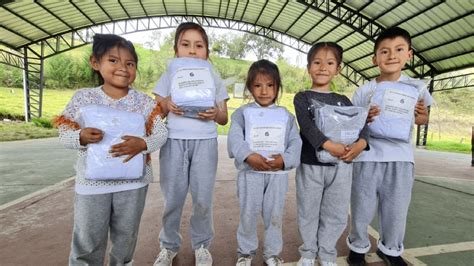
<point>36,228</point>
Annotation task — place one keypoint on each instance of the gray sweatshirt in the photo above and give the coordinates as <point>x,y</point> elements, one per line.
<point>239,149</point>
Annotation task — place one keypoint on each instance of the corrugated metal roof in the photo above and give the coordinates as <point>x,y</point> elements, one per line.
<point>442,30</point>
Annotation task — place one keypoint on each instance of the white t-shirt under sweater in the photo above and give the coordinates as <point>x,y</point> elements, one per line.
<point>134,101</point>
<point>180,127</point>
<point>381,149</point>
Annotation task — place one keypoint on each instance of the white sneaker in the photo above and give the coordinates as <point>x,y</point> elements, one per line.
<point>305,262</point>
<point>165,258</point>
<point>328,263</point>
<point>274,261</point>
<point>203,257</point>
<point>244,261</point>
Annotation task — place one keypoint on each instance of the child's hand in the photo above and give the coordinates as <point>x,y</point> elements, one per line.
<point>354,150</point>
<point>258,162</point>
<point>90,135</point>
<point>373,112</point>
<point>209,114</point>
<point>277,162</point>
<point>421,113</point>
<point>172,107</point>
<point>131,146</point>
<point>334,148</point>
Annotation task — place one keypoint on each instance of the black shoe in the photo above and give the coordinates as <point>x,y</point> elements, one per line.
<point>391,260</point>
<point>356,259</point>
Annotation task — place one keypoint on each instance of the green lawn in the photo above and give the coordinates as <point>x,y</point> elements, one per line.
<point>12,101</point>
<point>15,130</point>
<point>447,145</point>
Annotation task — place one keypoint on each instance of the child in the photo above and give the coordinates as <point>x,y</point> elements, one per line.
<point>188,160</point>
<point>116,203</point>
<point>323,189</point>
<point>384,175</point>
<point>264,141</point>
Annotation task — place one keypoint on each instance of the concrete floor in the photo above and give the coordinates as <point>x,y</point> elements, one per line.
<point>35,227</point>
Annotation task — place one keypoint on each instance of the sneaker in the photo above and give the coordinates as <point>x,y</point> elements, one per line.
<point>356,259</point>
<point>305,262</point>
<point>244,261</point>
<point>165,258</point>
<point>203,257</point>
<point>328,263</point>
<point>391,260</point>
<point>274,261</point>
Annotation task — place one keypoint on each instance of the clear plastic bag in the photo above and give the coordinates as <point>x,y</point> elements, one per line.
<point>265,130</point>
<point>193,87</point>
<point>397,101</point>
<point>340,124</point>
<point>100,165</point>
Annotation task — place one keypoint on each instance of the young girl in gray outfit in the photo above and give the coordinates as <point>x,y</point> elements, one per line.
<point>188,160</point>
<point>323,189</point>
<point>109,198</point>
<point>263,139</point>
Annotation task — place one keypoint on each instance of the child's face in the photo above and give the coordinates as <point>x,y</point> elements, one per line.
<point>264,90</point>
<point>323,68</point>
<point>191,44</point>
<point>117,66</point>
<point>391,56</point>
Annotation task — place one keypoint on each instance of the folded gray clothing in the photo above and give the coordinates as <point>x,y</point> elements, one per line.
<point>340,124</point>
<point>192,111</point>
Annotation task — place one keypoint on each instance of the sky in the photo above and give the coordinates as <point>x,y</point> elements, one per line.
<point>291,55</point>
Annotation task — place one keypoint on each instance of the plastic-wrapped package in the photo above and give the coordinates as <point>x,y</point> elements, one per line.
<point>340,124</point>
<point>193,87</point>
<point>100,165</point>
<point>265,130</point>
<point>397,101</point>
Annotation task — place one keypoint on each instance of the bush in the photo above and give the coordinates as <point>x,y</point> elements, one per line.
<point>11,76</point>
<point>67,72</point>
<point>42,122</point>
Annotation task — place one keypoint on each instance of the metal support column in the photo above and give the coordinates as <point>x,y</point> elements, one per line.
<point>422,130</point>
<point>33,82</point>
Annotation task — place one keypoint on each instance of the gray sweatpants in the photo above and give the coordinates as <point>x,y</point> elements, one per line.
<point>389,184</point>
<point>94,215</point>
<point>261,194</point>
<point>323,194</point>
<point>188,165</point>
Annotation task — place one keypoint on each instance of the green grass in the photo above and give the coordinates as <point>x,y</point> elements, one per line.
<point>447,145</point>
<point>12,101</point>
<point>14,130</point>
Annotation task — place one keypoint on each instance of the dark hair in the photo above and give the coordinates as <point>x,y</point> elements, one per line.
<point>104,42</point>
<point>183,27</point>
<point>334,47</point>
<point>264,67</point>
<point>392,33</point>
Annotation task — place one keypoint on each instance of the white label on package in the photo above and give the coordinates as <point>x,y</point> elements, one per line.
<point>349,135</point>
<point>267,138</point>
<point>398,104</point>
<point>192,83</point>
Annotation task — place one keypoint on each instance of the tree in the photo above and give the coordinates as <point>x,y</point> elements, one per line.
<point>262,47</point>
<point>230,45</point>
<point>154,40</point>
<point>237,47</point>
<point>218,45</point>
